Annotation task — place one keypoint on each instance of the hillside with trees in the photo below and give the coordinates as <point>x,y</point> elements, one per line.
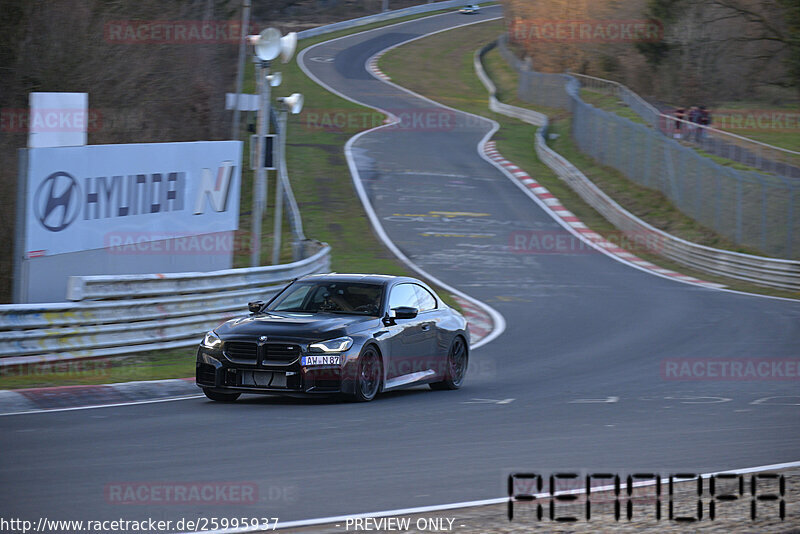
<point>708,50</point>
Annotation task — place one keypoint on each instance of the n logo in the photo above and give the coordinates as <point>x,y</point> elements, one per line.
<point>216,189</point>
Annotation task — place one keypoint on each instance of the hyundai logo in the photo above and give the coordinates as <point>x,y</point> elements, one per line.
<point>262,339</point>
<point>57,201</point>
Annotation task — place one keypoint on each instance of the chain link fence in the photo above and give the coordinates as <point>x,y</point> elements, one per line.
<point>757,210</point>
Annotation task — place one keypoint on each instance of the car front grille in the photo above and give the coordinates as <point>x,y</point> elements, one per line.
<point>269,353</point>
<point>280,353</point>
<point>241,351</point>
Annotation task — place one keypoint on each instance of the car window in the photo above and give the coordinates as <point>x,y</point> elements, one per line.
<point>294,300</point>
<point>336,297</point>
<point>425,299</point>
<point>403,295</point>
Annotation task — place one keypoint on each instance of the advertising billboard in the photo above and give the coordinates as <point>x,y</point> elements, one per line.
<point>125,209</point>
<point>79,196</point>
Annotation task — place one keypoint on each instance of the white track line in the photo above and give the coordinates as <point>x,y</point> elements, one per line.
<point>114,405</point>
<point>522,187</point>
<point>497,318</point>
<point>485,502</point>
<point>499,323</point>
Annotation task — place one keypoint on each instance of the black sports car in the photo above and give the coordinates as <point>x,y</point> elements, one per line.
<point>337,333</point>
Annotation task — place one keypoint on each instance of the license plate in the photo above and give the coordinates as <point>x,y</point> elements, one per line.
<point>320,360</point>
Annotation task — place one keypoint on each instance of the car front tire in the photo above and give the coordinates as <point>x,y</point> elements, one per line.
<point>221,397</point>
<point>370,375</point>
<point>457,361</point>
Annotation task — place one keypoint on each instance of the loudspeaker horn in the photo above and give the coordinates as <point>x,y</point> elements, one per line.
<point>288,45</point>
<point>294,103</point>
<point>268,45</point>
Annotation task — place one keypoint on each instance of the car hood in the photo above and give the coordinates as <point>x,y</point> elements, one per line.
<point>291,325</point>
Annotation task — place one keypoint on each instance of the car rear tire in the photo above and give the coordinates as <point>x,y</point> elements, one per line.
<point>221,397</point>
<point>369,377</point>
<point>457,361</point>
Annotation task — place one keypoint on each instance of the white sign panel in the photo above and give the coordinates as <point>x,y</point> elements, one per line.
<point>246,102</point>
<point>93,197</point>
<point>58,119</point>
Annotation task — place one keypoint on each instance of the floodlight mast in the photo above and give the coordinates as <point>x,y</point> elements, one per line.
<point>291,104</point>
<point>260,178</point>
<point>268,45</point>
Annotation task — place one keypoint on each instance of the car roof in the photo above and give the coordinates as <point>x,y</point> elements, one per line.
<point>381,279</point>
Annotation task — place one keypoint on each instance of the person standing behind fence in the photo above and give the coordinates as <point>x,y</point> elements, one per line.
<point>694,120</point>
<point>704,120</point>
<point>680,115</point>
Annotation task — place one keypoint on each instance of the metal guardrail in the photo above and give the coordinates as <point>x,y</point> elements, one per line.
<point>379,17</point>
<point>119,315</point>
<point>770,272</point>
<point>116,315</point>
<point>527,115</point>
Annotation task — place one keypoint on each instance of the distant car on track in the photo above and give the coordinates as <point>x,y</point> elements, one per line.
<point>348,334</point>
<point>471,9</point>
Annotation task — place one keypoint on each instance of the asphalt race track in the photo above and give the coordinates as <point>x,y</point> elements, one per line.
<point>579,367</point>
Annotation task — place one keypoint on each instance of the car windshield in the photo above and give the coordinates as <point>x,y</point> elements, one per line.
<point>333,297</point>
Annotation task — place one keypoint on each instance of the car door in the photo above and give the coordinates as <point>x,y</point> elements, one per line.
<point>430,355</point>
<point>409,340</point>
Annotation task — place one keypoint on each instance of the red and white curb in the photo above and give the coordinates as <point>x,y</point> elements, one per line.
<point>561,213</point>
<point>480,322</point>
<point>373,66</point>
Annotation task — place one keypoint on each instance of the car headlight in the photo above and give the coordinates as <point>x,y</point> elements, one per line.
<point>339,344</point>
<point>212,341</point>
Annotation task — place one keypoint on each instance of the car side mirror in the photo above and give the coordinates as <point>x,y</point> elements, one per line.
<point>404,312</point>
<point>255,306</point>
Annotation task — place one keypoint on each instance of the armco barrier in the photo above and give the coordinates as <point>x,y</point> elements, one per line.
<point>770,272</point>
<point>116,315</point>
<point>137,313</point>
<point>379,17</point>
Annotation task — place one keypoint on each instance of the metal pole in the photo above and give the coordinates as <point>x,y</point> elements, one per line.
<point>20,276</point>
<point>260,178</point>
<point>240,67</point>
<point>281,160</point>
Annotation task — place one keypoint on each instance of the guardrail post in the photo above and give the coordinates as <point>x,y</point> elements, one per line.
<point>790,222</point>
<point>739,188</point>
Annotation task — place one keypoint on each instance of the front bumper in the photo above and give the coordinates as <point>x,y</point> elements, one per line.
<point>214,371</point>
